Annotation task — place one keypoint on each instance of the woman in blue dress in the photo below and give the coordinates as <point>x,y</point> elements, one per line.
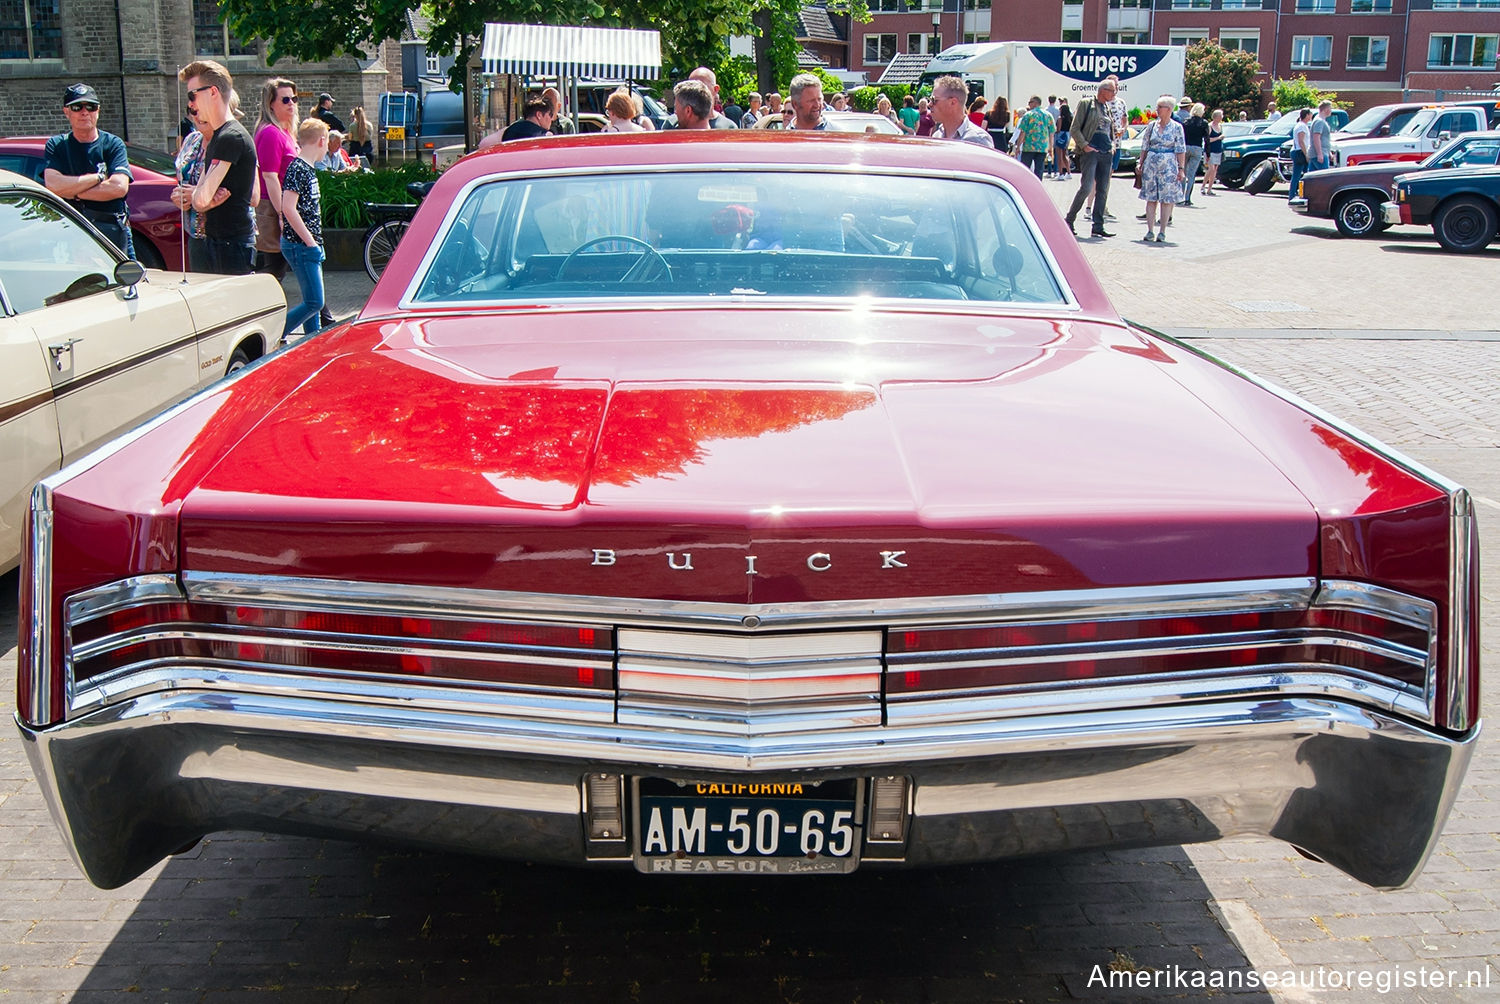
<point>1163,168</point>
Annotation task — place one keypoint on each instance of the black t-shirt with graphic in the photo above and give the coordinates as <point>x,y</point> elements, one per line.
<point>232,219</point>
<point>64,153</point>
<point>302,178</point>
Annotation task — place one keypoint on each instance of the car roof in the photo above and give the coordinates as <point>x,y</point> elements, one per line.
<point>9,179</point>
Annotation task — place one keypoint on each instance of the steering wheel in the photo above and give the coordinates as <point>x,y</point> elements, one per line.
<point>631,272</point>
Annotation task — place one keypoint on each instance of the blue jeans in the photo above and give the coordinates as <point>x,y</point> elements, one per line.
<point>116,230</point>
<point>307,265</point>
<point>1034,159</point>
<point>231,256</point>
<point>1299,168</point>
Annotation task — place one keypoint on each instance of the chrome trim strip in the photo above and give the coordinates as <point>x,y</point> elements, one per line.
<point>408,725</point>
<point>996,608</point>
<point>1087,695</point>
<point>1364,439</point>
<point>1070,304</point>
<point>40,584</point>
<point>86,606</point>
<point>1363,597</point>
<point>1463,633</point>
<point>354,689</point>
<point>379,644</point>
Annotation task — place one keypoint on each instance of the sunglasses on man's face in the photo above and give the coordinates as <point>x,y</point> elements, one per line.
<point>193,92</point>
<point>83,107</point>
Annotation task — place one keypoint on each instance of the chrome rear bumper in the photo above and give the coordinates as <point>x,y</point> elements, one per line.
<point>132,782</point>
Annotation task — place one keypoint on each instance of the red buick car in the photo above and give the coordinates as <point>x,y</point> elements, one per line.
<point>155,224</point>
<point>748,502</point>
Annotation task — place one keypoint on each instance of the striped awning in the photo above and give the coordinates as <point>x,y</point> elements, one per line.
<point>547,50</point>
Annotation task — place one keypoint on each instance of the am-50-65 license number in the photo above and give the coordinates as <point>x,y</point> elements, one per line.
<point>670,829</point>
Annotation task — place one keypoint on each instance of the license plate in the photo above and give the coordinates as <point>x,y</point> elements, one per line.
<point>746,827</point>
<point>395,132</point>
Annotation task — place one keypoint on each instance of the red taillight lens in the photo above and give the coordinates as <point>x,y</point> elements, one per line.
<point>498,652</point>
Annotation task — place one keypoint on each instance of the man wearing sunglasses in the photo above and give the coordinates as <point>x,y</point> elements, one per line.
<point>87,166</point>
<point>227,192</point>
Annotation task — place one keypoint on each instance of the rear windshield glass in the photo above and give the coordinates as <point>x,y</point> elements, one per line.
<point>746,233</point>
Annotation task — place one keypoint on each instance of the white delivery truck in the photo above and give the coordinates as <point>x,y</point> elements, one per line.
<point>1018,70</point>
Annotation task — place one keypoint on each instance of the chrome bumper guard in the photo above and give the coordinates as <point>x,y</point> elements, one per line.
<point>1391,212</point>
<point>134,781</point>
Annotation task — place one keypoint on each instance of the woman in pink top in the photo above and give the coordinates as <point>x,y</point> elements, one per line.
<point>275,148</point>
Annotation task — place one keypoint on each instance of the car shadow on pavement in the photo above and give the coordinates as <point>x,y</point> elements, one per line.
<point>326,920</point>
<point>1431,246</point>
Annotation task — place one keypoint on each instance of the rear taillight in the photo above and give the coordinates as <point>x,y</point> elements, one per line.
<point>1392,642</point>
<point>514,654</point>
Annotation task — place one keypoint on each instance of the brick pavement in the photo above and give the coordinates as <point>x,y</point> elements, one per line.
<point>246,917</point>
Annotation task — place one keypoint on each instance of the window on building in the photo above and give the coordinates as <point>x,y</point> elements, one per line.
<point>1464,5</point>
<point>976,4</point>
<point>1312,51</point>
<point>30,29</point>
<point>1476,51</point>
<point>1315,6</point>
<point>434,67</point>
<point>212,37</point>
<point>880,48</point>
<point>1241,39</point>
<point>1128,37</point>
<point>1379,6</point>
<point>888,6</point>
<point>1241,4</point>
<point>1192,4</point>
<point>1186,36</point>
<point>971,37</point>
<point>1130,4</point>
<point>1367,52</point>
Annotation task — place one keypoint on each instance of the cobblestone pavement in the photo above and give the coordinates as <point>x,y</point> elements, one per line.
<point>246,917</point>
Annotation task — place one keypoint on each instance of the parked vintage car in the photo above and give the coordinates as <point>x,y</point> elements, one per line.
<point>90,345</point>
<point>1462,204</point>
<point>748,502</point>
<point>1243,154</point>
<point>155,223</point>
<point>1352,196</point>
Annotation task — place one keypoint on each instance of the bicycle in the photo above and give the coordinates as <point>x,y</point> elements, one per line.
<point>390,220</point>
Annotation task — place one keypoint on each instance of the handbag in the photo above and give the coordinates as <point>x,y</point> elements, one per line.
<point>1140,160</point>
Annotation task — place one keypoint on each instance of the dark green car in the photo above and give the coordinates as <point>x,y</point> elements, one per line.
<point>1243,153</point>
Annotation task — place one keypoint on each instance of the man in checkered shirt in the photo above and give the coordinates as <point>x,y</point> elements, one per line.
<point>1116,106</point>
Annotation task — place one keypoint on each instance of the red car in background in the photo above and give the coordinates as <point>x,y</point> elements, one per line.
<point>155,224</point>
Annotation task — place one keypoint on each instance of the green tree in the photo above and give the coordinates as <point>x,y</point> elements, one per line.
<point>1296,93</point>
<point>1223,78</point>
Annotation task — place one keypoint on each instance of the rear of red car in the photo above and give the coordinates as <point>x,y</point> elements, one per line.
<point>741,579</point>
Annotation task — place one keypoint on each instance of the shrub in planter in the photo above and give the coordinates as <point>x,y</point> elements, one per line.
<point>345,193</point>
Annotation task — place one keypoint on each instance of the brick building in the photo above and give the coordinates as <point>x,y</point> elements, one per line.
<point>1369,51</point>
<point>130,51</point>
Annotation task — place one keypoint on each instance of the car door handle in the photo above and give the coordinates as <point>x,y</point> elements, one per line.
<point>58,348</point>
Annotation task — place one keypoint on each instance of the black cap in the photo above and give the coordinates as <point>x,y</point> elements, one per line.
<point>80,92</point>
<point>325,96</point>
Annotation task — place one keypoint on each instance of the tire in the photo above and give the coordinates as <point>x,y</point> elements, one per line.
<point>146,253</point>
<point>1233,184</point>
<point>1358,216</point>
<point>1465,224</point>
<point>1261,179</point>
<point>238,360</point>
<point>380,244</point>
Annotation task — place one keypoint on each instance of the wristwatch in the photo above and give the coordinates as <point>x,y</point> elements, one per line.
<point>103,173</point>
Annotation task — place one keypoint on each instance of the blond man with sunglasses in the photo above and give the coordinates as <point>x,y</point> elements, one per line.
<point>87,166</point>
<point>227,193</point>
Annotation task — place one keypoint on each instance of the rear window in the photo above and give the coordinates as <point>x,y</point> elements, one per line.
<point>740,234</point>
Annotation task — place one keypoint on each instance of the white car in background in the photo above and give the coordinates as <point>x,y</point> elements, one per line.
<point>91,343</point>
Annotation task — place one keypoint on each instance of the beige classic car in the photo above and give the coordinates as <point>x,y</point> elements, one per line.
<point>91,344</point>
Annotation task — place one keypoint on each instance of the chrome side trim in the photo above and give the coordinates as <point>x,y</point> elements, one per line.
<point>86,606</point>
<point>42,666</point>
<point>1366,598</point>
<point>1463,631</point>
<point>998,608</point>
